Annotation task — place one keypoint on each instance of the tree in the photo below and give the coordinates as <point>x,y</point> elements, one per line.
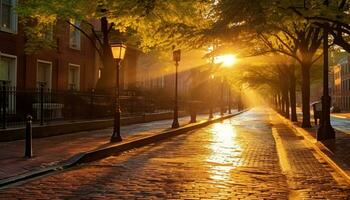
<point>279,30</point>
<point>330,15</point>
<point>144,24</point>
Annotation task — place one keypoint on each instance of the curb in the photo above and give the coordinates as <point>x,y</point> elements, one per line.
<point>48,130</point>
<point>320,148</point>
<point>94,155</point>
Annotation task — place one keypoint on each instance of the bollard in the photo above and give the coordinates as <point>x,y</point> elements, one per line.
<point>193,117</point>
<point>91,109</point>
<point>193,112</point>
<point>28,142</point>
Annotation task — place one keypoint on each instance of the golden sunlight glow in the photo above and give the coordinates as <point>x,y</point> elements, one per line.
<point>225,150</point>
<point>227,60</point>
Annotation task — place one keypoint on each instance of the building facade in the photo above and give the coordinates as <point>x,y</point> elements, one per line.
<point>341,84</point>
<point>70,66</point>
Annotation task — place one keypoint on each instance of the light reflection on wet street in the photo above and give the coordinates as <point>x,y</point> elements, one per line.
<point>226,152</point>
<point>236,159</point>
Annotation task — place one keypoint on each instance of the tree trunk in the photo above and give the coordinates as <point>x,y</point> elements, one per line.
<point>276,101</point>
<point>286,97</point>
<point>292,95</point>
<point>283,104</point>
<point>305,93</point>
<point>108,72</point>
<point>280,103</point>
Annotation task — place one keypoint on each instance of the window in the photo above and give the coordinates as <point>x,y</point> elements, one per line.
<point>44,73</point>
<point>8,17</point>
<point>74,36</point>
<point>49,31</point>
<point>73,77</point>
<point>8,68</point>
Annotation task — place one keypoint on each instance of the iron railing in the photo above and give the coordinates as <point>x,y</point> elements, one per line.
<point>47,106</point>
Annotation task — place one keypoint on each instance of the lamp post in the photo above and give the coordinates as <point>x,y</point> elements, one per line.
<point>325,131</point>
<point>211,84</point>
<point>222,97</point>
<point>118,50</point>
<point>239,106</point>
<point>229,100</point>
<point>176,58</point>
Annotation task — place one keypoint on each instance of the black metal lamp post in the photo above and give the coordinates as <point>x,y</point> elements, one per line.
<point>239,106</point>
<point>229,100</point>
<point>325,131</point>
<point>118,50</point>
<point>222,97</point>
<point>176,58</point>
<point>211,84</point>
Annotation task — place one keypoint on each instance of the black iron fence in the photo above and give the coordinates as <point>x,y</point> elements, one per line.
<point>48,106</point>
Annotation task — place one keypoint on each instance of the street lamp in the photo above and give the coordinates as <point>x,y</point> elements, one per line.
<point>176,58</point>
<point>325,131</point>
<point>118,51</point>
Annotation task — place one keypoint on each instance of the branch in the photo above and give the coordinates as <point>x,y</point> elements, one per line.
<point>317,58</point>
<point>110,27</point>
<point>94,32</point>
<point>86,35</point>
<point>282,42</point>
<point>342,4</point>
<point>274,50</point>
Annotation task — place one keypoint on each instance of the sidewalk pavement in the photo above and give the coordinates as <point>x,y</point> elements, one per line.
<point>341,115</point>
<point>53,150</point>
<point>337,115</point>
<point>338,150</point>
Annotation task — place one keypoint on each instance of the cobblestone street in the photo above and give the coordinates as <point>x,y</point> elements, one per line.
<point>250,156</point>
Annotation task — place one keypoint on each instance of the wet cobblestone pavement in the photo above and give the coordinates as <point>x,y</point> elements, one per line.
<point>251,156</point>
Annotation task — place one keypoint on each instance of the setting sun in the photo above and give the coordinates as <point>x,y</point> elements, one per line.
<point>226,60</point>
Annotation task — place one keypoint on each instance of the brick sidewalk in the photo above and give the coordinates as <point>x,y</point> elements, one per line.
<point>52,150</point>
<point>235,159</point>
<point>338,149</point>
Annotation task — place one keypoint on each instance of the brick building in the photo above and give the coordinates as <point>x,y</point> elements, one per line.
<point>341,83</point>
<point>74,64</point>
<point>71,65</point>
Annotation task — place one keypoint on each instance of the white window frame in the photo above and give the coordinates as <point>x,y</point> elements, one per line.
<point>14,76</point>
<point>75,66</point>
<point>14,19</point>
<point>78,46</point>
<point>37,72</point>
<point>12,98</point>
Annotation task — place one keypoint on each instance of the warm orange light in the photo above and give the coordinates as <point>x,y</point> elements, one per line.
<point>225,151</point>
<point>226,60</point>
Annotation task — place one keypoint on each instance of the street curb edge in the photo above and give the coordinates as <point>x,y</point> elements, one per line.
<point>94,155</point>
<point>316,146</point>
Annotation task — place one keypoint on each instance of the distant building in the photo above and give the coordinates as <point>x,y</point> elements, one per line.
<point>156,74</point>
<point>341,83</point>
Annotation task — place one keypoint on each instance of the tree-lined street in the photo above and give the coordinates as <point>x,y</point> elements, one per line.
<point>251,156</point>
<point>72,69</point>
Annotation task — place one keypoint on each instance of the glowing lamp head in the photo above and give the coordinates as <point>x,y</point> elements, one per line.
<point>118,50</point>
<point>226,60</point>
